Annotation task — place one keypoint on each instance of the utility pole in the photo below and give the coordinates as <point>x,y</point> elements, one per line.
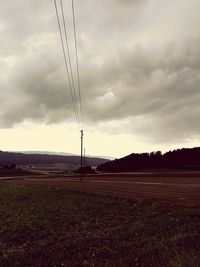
<point>81,155</point>
<point>84,158</point>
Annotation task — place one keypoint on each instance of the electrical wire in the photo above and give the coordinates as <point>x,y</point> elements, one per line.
<point>69,57</point>
<point>79,118</point>
<point>66,65</point>
<point>77,61</point>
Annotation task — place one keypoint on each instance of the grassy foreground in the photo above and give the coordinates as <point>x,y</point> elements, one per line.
<point>53,227</point>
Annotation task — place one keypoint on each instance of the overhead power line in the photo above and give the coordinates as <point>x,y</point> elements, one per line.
<point>77,110</point>
<point>66,64</point>
<point>77,62</point>
<point>69,57</point>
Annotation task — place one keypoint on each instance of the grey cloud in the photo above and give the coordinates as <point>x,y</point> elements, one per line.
<point>163,87</point>
<point>41,94</point>
<point>159,85</point>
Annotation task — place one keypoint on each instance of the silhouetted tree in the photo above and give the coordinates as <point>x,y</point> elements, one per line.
<point>181,158</point>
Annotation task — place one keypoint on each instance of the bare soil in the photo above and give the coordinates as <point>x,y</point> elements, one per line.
<point>176,186</point>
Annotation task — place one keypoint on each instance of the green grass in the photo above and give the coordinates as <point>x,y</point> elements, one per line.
<point>14,172</point>
<point>54,227</point>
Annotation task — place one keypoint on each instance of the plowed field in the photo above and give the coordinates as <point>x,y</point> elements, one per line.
<point>164,186</point>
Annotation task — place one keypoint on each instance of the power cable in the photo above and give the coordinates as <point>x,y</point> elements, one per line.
<point>71,80</point>
<point>77,62</point>
<point>69,57</point>
<point>65,60</point>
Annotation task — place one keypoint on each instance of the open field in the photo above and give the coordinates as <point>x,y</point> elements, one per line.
<point>47,226</point>
<point>15,173</point>
<point>177,186</point>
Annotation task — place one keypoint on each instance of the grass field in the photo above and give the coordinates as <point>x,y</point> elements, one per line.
<point>43,226</point>
<point>14,172</point>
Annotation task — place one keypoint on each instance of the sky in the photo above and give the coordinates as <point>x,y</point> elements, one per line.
<point>139,73</point>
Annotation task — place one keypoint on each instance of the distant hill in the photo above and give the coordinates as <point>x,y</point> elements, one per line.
<point>45,153</point>
<point>26,159</point>
<point>186,158</point>
<point>62,154</point>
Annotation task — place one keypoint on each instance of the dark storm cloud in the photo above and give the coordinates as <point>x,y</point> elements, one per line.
<point>164,87</point>
<point>120,79</point>
<point>40,93</point>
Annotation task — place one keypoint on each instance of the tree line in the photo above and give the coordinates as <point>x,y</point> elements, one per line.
<point>186,158</point>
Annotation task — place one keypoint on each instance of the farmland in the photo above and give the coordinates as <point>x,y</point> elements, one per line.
<point>125,220</point>
<point>179,186</point>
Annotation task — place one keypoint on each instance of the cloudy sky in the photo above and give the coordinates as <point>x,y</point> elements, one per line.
<point>139,70</point>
